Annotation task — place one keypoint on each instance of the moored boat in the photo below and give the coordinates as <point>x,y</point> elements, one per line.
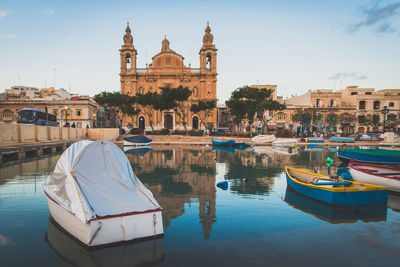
<point>263,139</point>
<point>335,191</point>
<point>315,140</point>
<point>222,143</point>
<point>137,140</point>
<point>378,156</point>
<point>95,196</point>
<point>285,142</point>
<point>376,174</point>
<point>342,139</point>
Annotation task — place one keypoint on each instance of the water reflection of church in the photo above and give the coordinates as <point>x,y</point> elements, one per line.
<point>187,176</point>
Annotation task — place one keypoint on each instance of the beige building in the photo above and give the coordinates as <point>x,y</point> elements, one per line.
<point>168,70</point>
<point>81,112</point>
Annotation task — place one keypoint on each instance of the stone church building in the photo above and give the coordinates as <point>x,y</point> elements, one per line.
<point>168,69</point>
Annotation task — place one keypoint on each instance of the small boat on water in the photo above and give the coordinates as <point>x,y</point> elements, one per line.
<point>95,196</point>
<point>335,191</point>
<point>378,156</point>
<point>315,140</point>
<point>342,139</point>
<point>263,139</point>
<point>137,140</point>
<point>376,174</point>
<point>222,143</point>
<point>284,142</point>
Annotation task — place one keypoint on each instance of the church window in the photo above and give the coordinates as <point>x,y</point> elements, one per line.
<point>6,113</point>
<point>168,60</point>
<point>195,91</point>
<point>140,90</point>
<point>158,62</point>
<point>128,61</point>
<point>208,62</point>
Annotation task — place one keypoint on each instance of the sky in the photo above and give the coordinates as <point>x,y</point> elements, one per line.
<point>296,45</point>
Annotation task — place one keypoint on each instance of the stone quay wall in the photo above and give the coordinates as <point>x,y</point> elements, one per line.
<point>13,134</point>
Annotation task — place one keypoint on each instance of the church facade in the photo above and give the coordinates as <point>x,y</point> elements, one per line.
<point>167,69</point>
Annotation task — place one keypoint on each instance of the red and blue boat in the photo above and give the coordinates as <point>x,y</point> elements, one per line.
<point>335,191</point>
<point>376,156</point>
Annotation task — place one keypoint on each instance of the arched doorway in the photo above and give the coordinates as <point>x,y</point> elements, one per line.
<point>195,123</point>
<point>168,121</point>
<point>142,122</point>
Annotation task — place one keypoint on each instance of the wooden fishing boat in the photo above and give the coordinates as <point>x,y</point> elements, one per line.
<point>95,196</point>
<point>263,139</point>
<point>284,142</point>
<point>342,139</point>
<point>222,143</point>
<point>377,156</point>
<point>137,140</point>
<point>376,174</point>
<point>335,191</point>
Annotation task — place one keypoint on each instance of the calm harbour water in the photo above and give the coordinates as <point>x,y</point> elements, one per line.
<point>254,223</point>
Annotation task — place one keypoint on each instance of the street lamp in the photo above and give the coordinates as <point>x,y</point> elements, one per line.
<point>384,111</point>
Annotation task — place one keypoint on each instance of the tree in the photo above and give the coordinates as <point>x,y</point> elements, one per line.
<point>120,102</point>
<point>303,117</point>
<point>174,98</point>
<point>147,102</point>
<point>245,102</point>
<point>267,105</point>
<point>203,110</point>
<point>332,119</point>
<point>372,120</point>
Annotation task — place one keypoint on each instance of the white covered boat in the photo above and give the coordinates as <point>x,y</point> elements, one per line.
<point>95,196</point>
<point>263,139</point>
<point>285,142</point>
<point>376,174</point>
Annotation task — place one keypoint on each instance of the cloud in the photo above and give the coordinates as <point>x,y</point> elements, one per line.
<point>8,36</point>
<point>348,75</point>
<point>3,13</point>
<point>379,16</point>
<point>48,12</point>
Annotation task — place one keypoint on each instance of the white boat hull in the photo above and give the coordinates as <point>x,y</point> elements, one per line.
<point>263,139</point>
<point>362,177</point>
<point>108,230</point>
<point>127,143</point>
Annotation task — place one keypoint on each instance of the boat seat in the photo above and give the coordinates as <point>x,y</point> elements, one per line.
<point>316,179</point>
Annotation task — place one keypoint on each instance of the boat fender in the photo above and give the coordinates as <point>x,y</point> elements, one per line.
<point>223,185</point>
<point>245,180</point>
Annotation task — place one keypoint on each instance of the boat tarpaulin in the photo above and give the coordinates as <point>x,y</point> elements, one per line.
<point>95,179</point>
<point>138,139</point>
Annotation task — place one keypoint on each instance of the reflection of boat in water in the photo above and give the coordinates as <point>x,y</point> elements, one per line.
<point>314,147</point>
<point>394,201</point>
<point>138,150</point>
<point>226,149</point>
<point>335,214</point>
<point>284,142</point>
<point>70,250</point>
<point>275,150</point>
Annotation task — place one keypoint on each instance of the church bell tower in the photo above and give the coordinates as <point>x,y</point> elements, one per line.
<point>128,55</point>
<point>208,53</point>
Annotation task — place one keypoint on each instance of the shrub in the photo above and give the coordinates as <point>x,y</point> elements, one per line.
<point>195,133</point>
<point>242,134</point>
<point>178,132</point>
<point>228,133</point>
<point>135,131</point>
<point>164,131</point>
<point>284,133</point>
